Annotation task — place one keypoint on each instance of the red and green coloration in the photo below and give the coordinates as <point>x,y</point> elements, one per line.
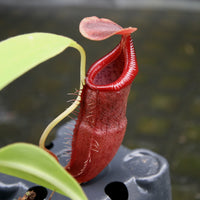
<point>101,122</point>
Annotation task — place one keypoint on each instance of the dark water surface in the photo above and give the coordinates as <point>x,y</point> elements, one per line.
<point>164,104</point>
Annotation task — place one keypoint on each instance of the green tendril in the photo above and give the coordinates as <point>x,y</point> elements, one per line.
<point>71,108</point>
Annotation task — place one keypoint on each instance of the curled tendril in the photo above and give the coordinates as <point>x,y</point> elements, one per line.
<point>71,108</point>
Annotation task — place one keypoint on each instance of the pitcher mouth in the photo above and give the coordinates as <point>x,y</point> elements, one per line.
<point>115,70</point>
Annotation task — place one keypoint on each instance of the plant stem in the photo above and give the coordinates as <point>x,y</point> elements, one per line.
<point>76,102</point>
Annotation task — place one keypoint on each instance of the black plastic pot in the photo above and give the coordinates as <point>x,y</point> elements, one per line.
<point>132,175</point>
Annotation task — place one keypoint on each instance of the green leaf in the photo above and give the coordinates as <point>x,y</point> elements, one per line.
<point>21,53</point>
<point>30,162</point>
